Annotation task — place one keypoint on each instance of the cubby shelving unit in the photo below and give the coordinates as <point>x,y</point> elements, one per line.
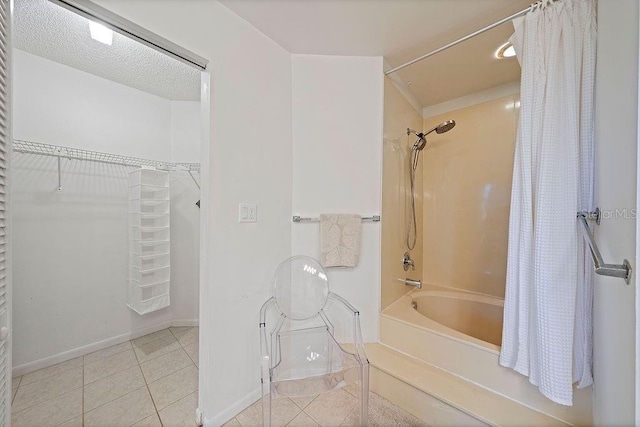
<point>149,255</point>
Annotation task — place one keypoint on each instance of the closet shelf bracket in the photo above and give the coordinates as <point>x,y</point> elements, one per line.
<point>194,179</point>
<point>59,175</point>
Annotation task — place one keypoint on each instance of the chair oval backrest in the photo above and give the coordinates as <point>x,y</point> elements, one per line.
<point>300,287</point>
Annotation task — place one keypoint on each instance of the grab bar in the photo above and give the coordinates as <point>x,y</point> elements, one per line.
<point>614,270</point>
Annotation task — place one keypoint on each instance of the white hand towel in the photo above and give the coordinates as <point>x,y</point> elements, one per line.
<point>340,237</point>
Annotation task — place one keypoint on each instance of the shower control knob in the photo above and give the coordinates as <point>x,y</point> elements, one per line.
<point>407,261</point>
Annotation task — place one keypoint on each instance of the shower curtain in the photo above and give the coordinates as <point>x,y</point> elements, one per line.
<point>547,332</point>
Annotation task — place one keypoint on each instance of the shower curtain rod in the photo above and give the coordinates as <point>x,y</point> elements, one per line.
<point>30,147</point>
<point>468,36</point>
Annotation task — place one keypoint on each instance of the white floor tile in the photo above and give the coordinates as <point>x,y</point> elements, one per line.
<point>302,401</point>
<point>48,388</point>
<point>186,336</point>
<point>152,349</point>
<point>302,420</point>
<point>51,371</point>
<point>283,410</point>
<point>232,423</point>
<point>53,412</point>
<point>151,421</point>
<point>165,365</point>
<point>165,333</point>
<point>174,387</point>
<point>76,422</point>
<point>124,411</point>
<point>331,409</point>
<point>103,391</point>
<point>193,352</point>
<point>115,393</point>
<point>181,413</point>
<point>107,352</point>
<point>108,366</point>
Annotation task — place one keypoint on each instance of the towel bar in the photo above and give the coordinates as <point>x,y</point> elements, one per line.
<point>614,270</point>
<point>298,218</point>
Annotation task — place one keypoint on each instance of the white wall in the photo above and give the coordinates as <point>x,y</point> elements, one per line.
<point>250,160</point>
<point>185,215</point>
<point>337,165</point>
<point>71,247</point>
<point>70,258</point>
<point>185,131</point>
<point>185,249</point>
<point>616,151</point>
<point>60,105</point>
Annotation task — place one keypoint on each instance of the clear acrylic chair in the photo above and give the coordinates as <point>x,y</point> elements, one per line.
<point>302,352</point>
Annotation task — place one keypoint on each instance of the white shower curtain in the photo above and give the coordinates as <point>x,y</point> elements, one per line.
<point>547,332</point>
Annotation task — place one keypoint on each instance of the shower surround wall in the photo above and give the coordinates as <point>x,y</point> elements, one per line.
<point>70,254</point>
<point>466,196</point>
<point>399,115</point>
<point>467,193</point>
<point>463,192</point>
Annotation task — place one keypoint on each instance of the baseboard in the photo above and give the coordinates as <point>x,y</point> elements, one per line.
<point>233,410</point>
<point>90,348</point>
<point>184,322</point>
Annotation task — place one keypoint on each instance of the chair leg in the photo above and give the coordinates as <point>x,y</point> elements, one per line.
<point>266,405</point>
<point>364,394</point>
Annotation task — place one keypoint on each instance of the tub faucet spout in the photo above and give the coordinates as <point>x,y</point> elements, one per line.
<point>411,282</point>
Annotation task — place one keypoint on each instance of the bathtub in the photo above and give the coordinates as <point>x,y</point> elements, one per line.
<point>474,315</point>
<point>460,332</point>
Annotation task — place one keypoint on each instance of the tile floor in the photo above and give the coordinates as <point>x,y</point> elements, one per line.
<point>153,381</point>
<point>149,381</point>
<point>338,408</point>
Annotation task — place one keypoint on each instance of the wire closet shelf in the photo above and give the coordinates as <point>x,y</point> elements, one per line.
<point>60,152</point>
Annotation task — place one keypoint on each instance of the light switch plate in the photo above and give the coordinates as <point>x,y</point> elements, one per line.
<point>247,212</point>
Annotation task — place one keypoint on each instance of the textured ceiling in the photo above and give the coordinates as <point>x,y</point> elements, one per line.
<point>399,30</point>
<point>52,32</point>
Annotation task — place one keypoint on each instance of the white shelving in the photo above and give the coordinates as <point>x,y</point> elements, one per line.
<point>31,147</point>
<point>149,234</point>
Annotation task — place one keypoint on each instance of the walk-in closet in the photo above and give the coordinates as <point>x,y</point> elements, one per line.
<point>106,211</point>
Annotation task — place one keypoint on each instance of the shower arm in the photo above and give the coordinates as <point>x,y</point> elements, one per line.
<point>622,271</point>
<point>420,134</point>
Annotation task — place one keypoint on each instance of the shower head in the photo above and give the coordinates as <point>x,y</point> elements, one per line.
<point>422,141</point>
<point>442,127</point>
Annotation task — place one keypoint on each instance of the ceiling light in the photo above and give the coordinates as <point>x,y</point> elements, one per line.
<point>506,51</point>
<point>101,33</point>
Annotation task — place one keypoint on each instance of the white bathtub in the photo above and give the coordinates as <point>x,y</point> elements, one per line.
<point>474,315</point>
<point>460,332</point>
